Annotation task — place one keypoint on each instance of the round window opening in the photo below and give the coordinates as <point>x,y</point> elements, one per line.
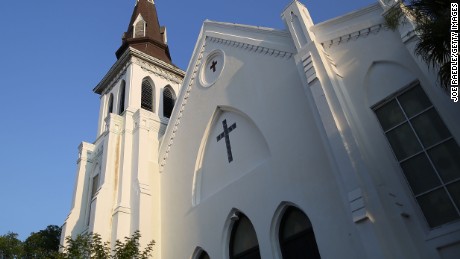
<point>212,68</point>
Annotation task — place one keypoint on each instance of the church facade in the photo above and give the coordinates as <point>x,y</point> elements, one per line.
<point>327,140</point>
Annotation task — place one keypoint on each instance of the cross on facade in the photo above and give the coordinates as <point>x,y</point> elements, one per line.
<point>213,66</point>
<point>226,135</point>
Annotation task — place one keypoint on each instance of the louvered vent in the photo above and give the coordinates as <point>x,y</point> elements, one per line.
<point>168,102</point>
<point>147,96</point>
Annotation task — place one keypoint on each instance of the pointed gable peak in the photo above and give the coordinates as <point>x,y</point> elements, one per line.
<point>144,32</point>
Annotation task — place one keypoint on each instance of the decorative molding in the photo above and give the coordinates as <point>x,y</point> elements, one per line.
<point>147,121</point>
<point>114,75</point>
<point>357,205</point>
<point>252,48</point>
<point>145,189</point>
<point>408,36</point>
<point>85,151</point>
<point>331,62</point>
<point>119,69</point>
<point>95,156</point>
<point>353,36</point>
<point>159,71</point>
<point>114,123</point>
<point>183,103</point>
<point>121,209</point>
<point>309,68</point>
<point>117,78</point>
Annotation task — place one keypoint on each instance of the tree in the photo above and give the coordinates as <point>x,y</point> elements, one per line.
<point>91,246</point>
<point>86,246</point>
<point>43,244</point>
<point>432,25</point>
<point>130,248</point>
<point>10,246</point>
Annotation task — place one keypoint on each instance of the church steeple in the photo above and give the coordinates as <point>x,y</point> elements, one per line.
<point>144,32</point>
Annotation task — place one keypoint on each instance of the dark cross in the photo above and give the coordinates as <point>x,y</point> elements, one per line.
<point>213,66</point>
<point>226,135</point>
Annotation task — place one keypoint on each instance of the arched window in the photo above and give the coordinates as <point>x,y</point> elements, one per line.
<point>169,98</point>
<point>297,240</point>
<point>147,96</point>
<point>243,240</point>
<point>110,103</point>
<point>203,255</point>
<point>122,98</point>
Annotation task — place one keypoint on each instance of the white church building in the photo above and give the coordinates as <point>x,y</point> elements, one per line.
<point>329,140</point>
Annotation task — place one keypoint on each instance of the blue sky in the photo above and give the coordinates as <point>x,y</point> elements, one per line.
<point>53,53</point>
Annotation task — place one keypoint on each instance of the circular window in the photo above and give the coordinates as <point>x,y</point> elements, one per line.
<point>212,68</point>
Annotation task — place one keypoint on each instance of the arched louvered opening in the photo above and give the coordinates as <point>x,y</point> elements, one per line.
<point>296,236</point>
<point>147,96</point>
<point>139,27</point>
<point>169,99</point>
<point>110,105</point>
<point>121,106</point>
<point>243,240</point>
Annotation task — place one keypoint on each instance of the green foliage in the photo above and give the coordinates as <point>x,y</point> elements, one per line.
<point>432,25</point>
<point>91,246</point>
<point>130,248</point>
<point>43,244</point>
<point>10,246</point>
<point>79,247</point>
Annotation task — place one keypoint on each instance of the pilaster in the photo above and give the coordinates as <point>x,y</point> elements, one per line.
<point>75,223</point>
<point>320,83</point>
<point>109,161</point>
<point>145,178</point>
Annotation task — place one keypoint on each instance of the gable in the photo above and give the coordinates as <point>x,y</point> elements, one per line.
<point>250,55</point>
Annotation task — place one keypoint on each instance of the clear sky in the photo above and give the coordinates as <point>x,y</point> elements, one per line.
<point>53,53</point>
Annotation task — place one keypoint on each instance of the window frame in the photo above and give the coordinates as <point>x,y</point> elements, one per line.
<point>308,232</point>
<point>122,97</point>
<point>152,89</point>
<point>173,98</point>
<point>231,242</point>
<point>424,150</point>
<point>110,104</point>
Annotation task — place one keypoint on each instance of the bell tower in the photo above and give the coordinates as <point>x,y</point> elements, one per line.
<point>117,183</point>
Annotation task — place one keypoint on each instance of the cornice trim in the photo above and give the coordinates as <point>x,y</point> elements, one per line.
<point>163,73</point>
<point>252,48</point>
<point>374,29</point>
<point>169,139</point>
<point>120,66</point>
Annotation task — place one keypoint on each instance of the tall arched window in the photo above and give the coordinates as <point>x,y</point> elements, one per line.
<point>110,105</point>
<point>299,34</point>
<point>147,96</point>
<point>243,240</point>
<point>122,98</point>
<point>203,255</point>
<point>169,98</point>
<point>297,240</point>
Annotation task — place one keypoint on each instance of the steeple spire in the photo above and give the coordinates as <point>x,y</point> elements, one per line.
<point>144,32</point>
